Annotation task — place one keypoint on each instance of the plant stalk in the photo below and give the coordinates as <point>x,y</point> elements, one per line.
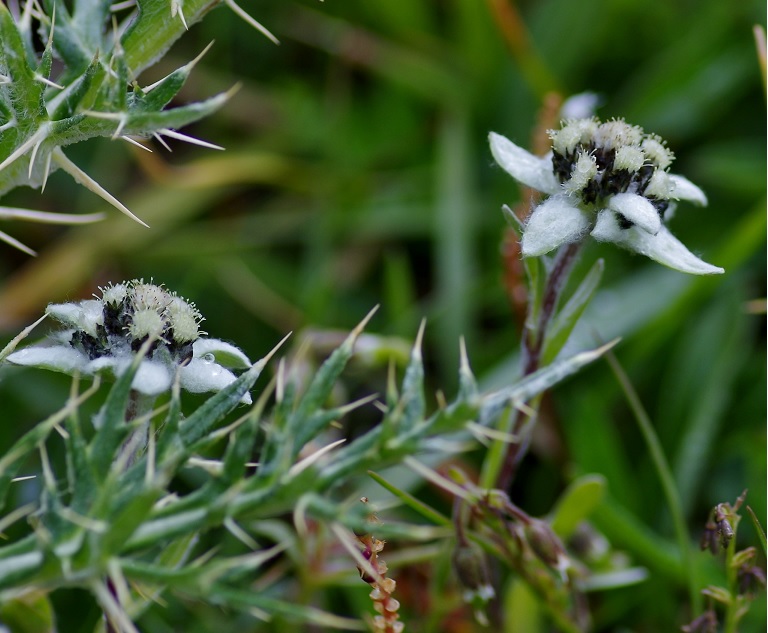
<point>534,338</point>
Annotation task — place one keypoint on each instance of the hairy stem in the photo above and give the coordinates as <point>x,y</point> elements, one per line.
<point>534,338</point>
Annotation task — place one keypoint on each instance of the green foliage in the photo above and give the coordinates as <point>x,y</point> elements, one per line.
<point>97,93</point>
<point>114,517</point>
<point>356,173</point>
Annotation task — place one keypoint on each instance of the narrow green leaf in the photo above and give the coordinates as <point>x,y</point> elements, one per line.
<point>89,18</point>
<point>124,521</point>
<point>164,90</point>
<point>541,380</point>
<point>240,449</point>
<point>82,482</point>
<point>319,390</point>
<point>758,528</point>
<point>204,418</point>
<point>568,316</point>
<point>412,502</point>
<point>412,391</point>
<point>175,553</point>
<point>112,428</point>
<point>16,566</point>
<point>70,42</point>
<point>291,611</point>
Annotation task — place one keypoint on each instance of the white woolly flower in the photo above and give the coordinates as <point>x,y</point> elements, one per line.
<point>105,333</point>
<point>609,180</point>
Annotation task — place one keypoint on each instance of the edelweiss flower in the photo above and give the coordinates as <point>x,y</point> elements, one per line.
<point>105,333</point>
<point>609,180</point>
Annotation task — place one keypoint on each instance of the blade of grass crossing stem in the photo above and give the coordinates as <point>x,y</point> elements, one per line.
<point>723,323</point>
<point>665,476</point>
<point>453,236</point>
<point>758,528</point>
<point>412,502</point>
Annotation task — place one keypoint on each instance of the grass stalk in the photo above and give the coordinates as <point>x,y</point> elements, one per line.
<point>664,472</point>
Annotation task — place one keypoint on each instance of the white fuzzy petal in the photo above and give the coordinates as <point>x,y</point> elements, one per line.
<point>199,376</point>
<point>61,358</point>
<point>152,378</point>
<point>108,365</point>
<point>663,247</point>
<point>69,313</point>
<point>93,315</point>
<point>523,166</point>
<point>637,210</point>
<point>684,189</point>
<point>554,222</point>
<point>224,353</point>
<point>580,106</point>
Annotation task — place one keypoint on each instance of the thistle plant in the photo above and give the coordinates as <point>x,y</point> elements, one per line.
<point>111,521</point>
<point>92,90</point>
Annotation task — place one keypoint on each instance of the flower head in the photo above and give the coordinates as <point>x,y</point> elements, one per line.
<point>609,180</point>
<point>104,333</point>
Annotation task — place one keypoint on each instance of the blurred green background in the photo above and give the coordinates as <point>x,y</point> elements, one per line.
<point>357,173</point>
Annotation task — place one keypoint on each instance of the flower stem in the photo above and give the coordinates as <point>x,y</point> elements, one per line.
<point>534,338</point>
<point>734,610</point>
<point>138,405</point>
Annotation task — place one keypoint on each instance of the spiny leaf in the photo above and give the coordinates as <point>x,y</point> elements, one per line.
<point>81,93</point>
<point>158,95</point>
<point>27,100</point>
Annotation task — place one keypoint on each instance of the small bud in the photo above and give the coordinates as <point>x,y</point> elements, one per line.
<point>751,579</point>
<point>146,323</point>
<point>657,152</point>
<point>472,571</point>
<point>376,594</point>
<point>659,186</point>
<point>388,585</point>
<point>709,538</point>
<point>584,170</point>
<point>705,623</point>
<point>629,158</point>
<point>724,528</point>
<point>114,294</point>
<point>545,543</point>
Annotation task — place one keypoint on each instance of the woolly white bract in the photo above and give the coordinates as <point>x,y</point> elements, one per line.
<point>105,333</point>
<point>609,180</point>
